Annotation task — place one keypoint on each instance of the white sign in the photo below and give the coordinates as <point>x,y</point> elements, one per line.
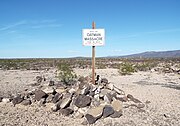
<point>93,37</point>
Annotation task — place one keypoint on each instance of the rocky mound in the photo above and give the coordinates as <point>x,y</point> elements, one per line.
<point>79,100</point>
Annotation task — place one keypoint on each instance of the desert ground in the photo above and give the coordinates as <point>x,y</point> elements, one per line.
<point>160,93</point>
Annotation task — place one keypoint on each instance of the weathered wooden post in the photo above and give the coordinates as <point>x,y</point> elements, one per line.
<point>93,57</point>
<point>93,37</point>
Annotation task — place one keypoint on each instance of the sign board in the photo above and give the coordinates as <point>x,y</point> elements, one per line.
<point>93,37</point>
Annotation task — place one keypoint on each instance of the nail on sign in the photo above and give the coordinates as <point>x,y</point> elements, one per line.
<point>93,37</point>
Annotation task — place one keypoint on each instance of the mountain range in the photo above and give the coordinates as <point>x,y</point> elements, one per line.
<point>155,54</point>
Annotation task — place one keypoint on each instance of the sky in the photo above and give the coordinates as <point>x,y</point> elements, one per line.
<point>53,28</point>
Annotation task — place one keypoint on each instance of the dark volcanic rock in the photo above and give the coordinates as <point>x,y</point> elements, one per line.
<point>116,114</point>
<point>39,94</point>
<point>104,80</point>
<point>57,97</point>
<point>82,101</point>
<point>90,118</point>
<point>66,112</point>
<point>107,111</point>
<point>18,99</point>
<point>26,102</point>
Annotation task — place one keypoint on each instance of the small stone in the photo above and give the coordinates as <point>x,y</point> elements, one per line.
<point>18,99</point>
<point>42,102</point>
<point>51,83</point>
<point>108,98</point>
<point>66,112</point>
<point>117,105</point>
<point>140,105</point>
<point>85,90</point>
<point>57,97</point>
<point>104,80</point>
<point>26,102</point>
<point>49,90</point>
<point>83,110</point>
<point>39,94</point>
<point>6,100</point>
<point>116,114</point>
<point>90,119</point>
<point>104,92</point>
<point>65,102</point>
<point>60,90</point>
<point>82,101</point>
<point>85,122</point>
<point>95,102</point>
<point>107,111</point>
<point>96,112</point>
<point>49,98</point>
<point>55,107</point>
<point>72,91</point>
<point>78,115</point>
<point>133,99</point>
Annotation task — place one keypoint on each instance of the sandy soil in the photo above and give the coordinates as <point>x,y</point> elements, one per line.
<point>160,92</point>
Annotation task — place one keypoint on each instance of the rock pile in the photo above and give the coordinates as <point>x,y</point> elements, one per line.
<point>82,99</point>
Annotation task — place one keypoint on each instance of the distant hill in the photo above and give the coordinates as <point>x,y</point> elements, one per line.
<point>154,54</point>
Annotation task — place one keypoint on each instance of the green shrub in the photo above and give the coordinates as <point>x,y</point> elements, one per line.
<point>66,73</point>
<point>126,69</point>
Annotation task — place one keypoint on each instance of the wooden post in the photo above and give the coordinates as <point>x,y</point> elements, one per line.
<point>93,57</point>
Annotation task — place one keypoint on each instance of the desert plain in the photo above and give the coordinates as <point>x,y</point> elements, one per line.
<point>158,91</point>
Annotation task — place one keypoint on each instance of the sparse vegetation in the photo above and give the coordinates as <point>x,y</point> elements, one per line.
<point>66,73</point>
<point>126,69</point>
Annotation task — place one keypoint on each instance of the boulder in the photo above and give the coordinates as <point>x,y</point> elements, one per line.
<point>49,90</point>
<point>82,101</point>
<point>66,111</point>
<point>60,90</point>
<point>117,105</point>
<point>96,111</point>
<point>116,114</point>
<point>39,94</point>
<point>104,92</point>
<point>16,100</point>
<point>90,119</point>
<point>65,102</point>
<point>104,80</point>
<point>107,111</point>
<point>57,97</point>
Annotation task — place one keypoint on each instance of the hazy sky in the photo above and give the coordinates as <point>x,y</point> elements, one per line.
<point>53,28</point>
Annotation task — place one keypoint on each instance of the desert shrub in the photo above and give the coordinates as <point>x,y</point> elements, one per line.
<point>143,67</point>
<point>126,69</point>
<point>66,73</point>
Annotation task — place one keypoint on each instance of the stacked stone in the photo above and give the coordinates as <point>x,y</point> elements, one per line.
<point>80,100</point>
